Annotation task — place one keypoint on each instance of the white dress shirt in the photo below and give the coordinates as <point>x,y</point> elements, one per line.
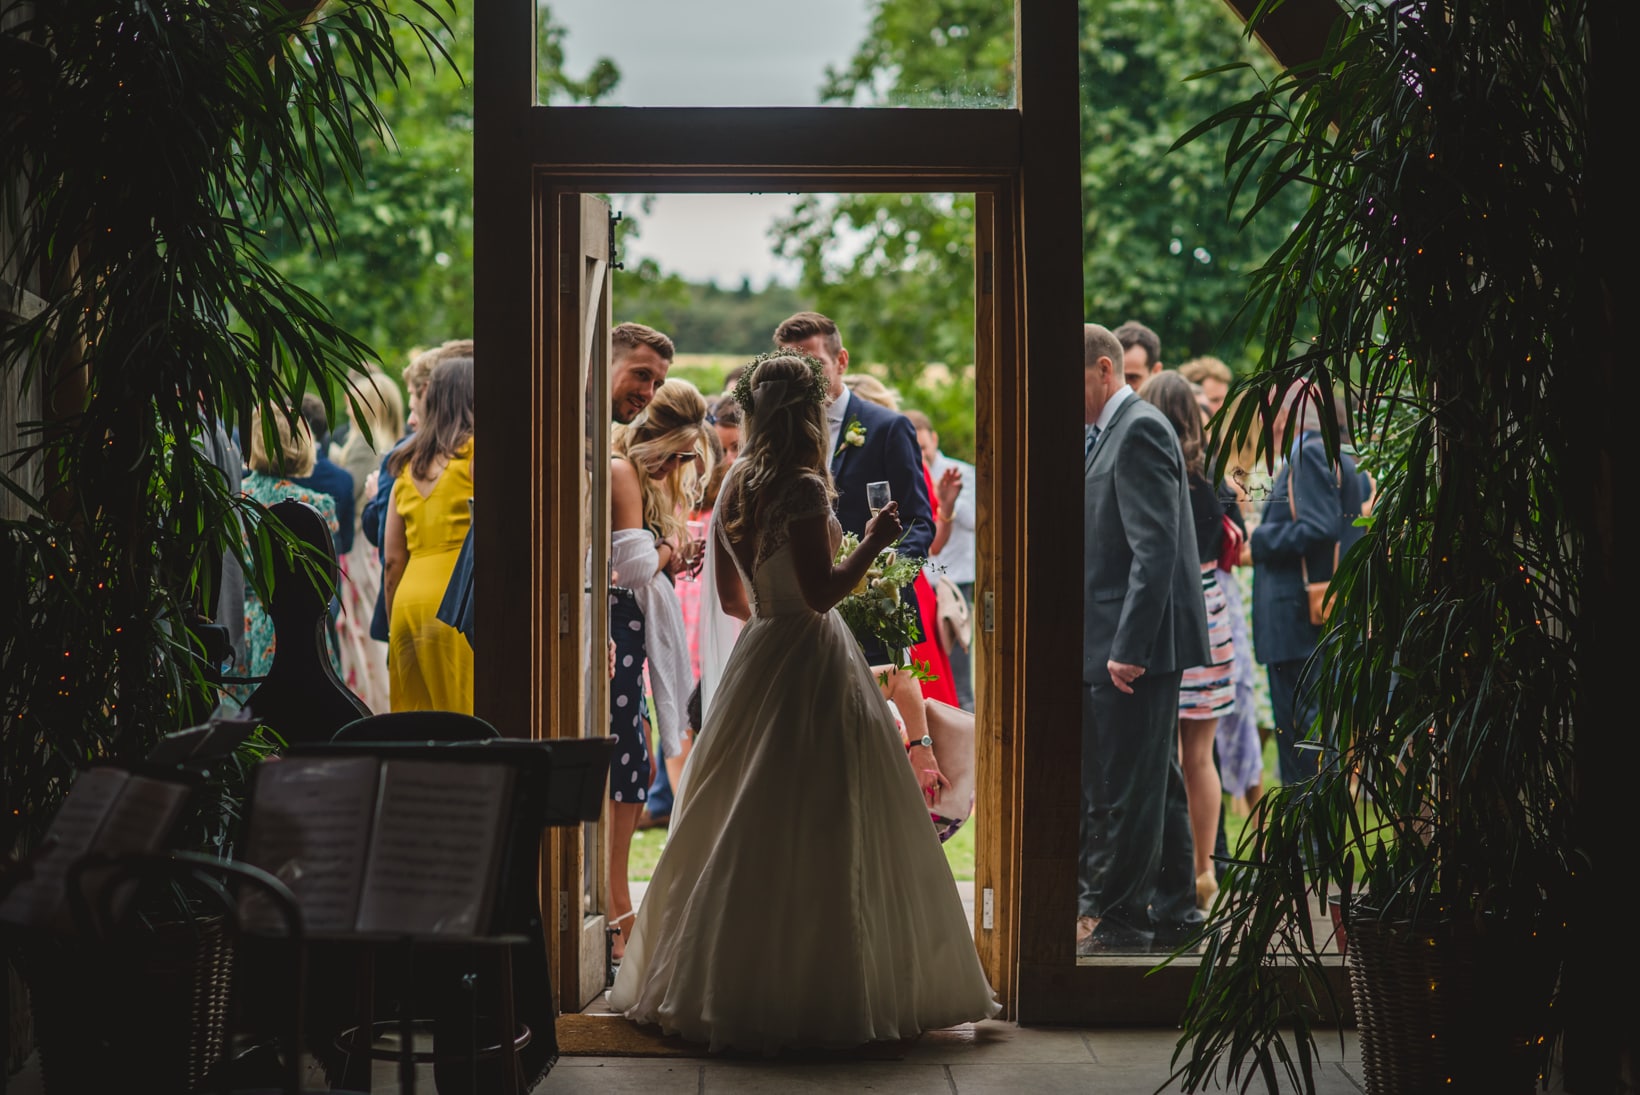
<point>957,557</point>
<point>836,415</point>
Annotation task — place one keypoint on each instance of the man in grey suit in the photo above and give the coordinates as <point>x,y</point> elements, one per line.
<point>1144,623</point>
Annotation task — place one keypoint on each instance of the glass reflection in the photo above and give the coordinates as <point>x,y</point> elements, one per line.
<point>741,53</point>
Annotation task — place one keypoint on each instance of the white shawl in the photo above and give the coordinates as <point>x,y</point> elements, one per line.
<point>632,555</point>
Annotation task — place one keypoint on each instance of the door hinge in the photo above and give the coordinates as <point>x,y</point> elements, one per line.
<point>614,263</point>
<point>988,918</point>
<point>563,614</point>
<point>989,621</point>
<point>563,910</point>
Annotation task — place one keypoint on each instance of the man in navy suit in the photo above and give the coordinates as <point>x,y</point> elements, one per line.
<point>1307,523</point>
<point>868,444</point>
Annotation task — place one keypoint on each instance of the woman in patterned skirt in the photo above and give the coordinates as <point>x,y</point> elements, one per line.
<point>1207,692</point>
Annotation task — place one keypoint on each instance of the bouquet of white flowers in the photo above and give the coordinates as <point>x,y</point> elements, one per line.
<point>875,610</point>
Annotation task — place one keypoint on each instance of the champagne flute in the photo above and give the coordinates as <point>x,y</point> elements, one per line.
<point>877,496</point>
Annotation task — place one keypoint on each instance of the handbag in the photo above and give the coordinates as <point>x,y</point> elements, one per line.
<point>952,609</point>
<point>1229,544</point>
<point>1321,601</point>
<point>952,729</point>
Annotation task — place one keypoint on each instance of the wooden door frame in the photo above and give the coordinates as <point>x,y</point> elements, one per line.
<point>1029,157</point>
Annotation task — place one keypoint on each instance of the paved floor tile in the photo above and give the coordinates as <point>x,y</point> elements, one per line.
<point>889,1077</point>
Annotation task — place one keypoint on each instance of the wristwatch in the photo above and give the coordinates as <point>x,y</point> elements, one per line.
<point>926,742</point>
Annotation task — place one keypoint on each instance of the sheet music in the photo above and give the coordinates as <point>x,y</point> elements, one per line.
<point>38,898</point>
<point>436,843</point>
<point>310,826</point>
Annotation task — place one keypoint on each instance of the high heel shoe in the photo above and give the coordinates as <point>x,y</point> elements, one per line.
<point>1207,888</point>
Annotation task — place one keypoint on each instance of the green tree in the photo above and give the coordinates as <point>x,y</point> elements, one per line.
<point>400,273</point>
<point>1161,242</point>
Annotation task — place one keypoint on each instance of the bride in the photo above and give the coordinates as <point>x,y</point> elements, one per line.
<point>802,898</point>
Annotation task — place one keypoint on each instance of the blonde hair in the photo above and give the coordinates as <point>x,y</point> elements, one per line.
<point>296,453</point>
<point>673,422</point>
<point>382,405</point>
<point>1198,369</point>
<point>869,388</point>
<point>779,442</point>
<point>422,362</point>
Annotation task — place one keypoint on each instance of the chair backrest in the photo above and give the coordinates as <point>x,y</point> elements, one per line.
<point>402,726</point>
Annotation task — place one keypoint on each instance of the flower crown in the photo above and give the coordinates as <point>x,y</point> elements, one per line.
<point>817,392</point>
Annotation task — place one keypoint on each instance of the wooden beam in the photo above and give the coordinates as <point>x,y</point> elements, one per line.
<point>1294,32</point>
<point>669,139</point>
<point>1044,610</point>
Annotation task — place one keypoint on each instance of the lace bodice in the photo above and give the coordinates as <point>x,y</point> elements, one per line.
<point>772,587</point>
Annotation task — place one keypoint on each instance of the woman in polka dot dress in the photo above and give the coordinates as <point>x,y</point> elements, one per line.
<point>661,459</point>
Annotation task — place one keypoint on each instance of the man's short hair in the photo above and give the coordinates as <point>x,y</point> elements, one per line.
<point>732,377</point>
<point>1198,369</point>
<point>422,362</point>
<point>318,423</point>
<point>1098,342</point>
<point>804,326</point>
<point>629,336</point>
<point>726,412</point>
<point>1134,333</point>
<point>919,420</point>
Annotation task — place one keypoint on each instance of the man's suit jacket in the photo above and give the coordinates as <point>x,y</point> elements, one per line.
<point>1142,594</point>
<point>1327,502</point>
<point>890,453</point>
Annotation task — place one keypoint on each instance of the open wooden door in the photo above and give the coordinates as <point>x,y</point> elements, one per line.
<point>578,467</point>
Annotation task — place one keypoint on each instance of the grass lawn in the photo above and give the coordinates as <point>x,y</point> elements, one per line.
<point>647,845</point>
<point>959,850</point>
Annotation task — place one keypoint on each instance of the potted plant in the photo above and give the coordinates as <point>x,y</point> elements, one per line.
<point>145,144</point>
<point>1434,279</point>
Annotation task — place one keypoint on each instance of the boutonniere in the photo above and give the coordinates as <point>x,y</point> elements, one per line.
<point>853,434</point>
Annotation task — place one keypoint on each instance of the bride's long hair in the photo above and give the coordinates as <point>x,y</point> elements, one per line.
<point>674,422</point>
<point>785,436</point>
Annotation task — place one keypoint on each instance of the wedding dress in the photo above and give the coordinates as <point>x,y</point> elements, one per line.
<point>802,898</point>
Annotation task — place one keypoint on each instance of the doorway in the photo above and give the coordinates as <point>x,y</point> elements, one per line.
<point>578,241</point>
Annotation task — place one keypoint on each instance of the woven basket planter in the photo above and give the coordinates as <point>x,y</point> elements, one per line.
<point>1441,1006</point>
<point>154,1010</point>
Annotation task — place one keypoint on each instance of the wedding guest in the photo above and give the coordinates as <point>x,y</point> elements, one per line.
<point>954,527</point>
<point>866,443</point>
<point>326,476</point>
<point>379,484</point>
<point>1238,743</point>
<point>1141,353</point>
<point>717,629</point>
<point>928,652</point>
<point>1144,622</point>
<point>274,478</point>
<point>655,475</point>
<point>1308,521</point>
<point>430,664</point>
<point>1214,378</point>
<point>376,410</point>
<point>1207,692</point>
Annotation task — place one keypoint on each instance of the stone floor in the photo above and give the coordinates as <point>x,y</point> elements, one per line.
<point>977,1059</point>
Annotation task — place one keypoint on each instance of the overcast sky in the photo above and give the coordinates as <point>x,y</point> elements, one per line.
<point>729,53</point>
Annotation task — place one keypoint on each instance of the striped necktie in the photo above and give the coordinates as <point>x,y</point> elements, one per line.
<point>1092,436</point>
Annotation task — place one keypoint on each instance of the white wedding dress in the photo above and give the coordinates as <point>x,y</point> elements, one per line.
<point>802,899</point>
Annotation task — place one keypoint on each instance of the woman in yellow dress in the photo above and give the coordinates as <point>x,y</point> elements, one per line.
<point>430,663</point>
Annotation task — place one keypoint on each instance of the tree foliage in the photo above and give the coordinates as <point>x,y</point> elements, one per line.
<point>146,141</point>
<point>1161,242</point>
<point>401,275</point>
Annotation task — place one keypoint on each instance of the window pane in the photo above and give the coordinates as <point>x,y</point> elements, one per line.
<point>956,53</point>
